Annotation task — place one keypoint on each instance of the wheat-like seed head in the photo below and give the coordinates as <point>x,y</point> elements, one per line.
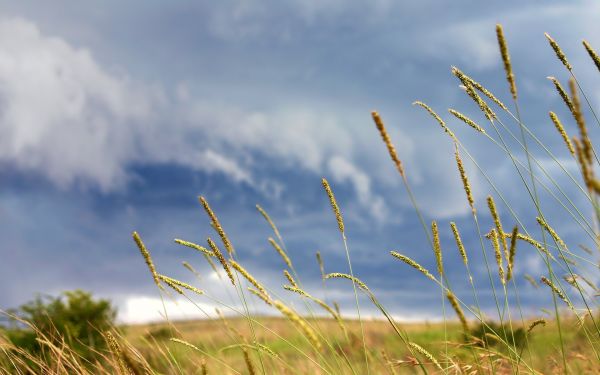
<point>321,266</point>
<point>170,281</point>
<point>413,264</point>
<point>558,292</point>
<point>334,205</point>
<point>437,248</point>
<point>249,364</point>
<point>282,253</point>
<point>147,258</point>
<point>437,118</point>
<point>510,77</point>
<point>426,354</point>
<point>268,219</point>
<point>468,81</point>
<point>583,132</point>
<point>559,53</point>
<point>592,54</point>
<point>497,254</point>
<point>238,267</point>
<point>289,277</point>
<point>531,241</point>
<point>338,275</point>
<point>497,224</point>
<point>190,268</point>
<point>221,259</point>
<point>459,243</point>
<point>586,170</point>
<point>266,299</point>
<point>536,323</point>
<point>511,252</point>
<point>458,310</point>
<point>299,322</point>
<point>466,120</point>
<point>115,348</point>
<point>388,142</point>
<point>563,94</point>
<point>194,246</point>
<point>319,302</point>
<point>217,225</point>
<point>531,280</point>
<point>464,179</point>
<point>483,106</point>
<point>562,132</point>
<point>551,231</point>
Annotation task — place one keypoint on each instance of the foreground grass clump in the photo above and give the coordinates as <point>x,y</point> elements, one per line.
<point>561,338</point>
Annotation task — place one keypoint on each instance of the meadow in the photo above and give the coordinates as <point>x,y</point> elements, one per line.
<point>319,339</point>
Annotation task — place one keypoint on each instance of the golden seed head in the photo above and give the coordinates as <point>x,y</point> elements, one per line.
<point>217,226</point>
<point>464,179</point>
<point>458,310</point>
<point>562,132</point>
<point>290,278</point>
<point>466,120</point>
<point>413,264</point>
<point>498,224</point>
<point>319,302</point>
<point>338,275</point>
<point>468,81</point>
<point>190,268</point>
<point>551,231</point>
<point>536,323</point>
<point>281,253</point>
<point>238,267</point>
<point>192,245</point>
<point>459,243</point>
<point>563,94</point>
<point>321,265</point>
<point>437,248</point>
<point>497,254</point>
<point>559,53</point>
<point>558,292</point>
<point>437,118</point>
<point>249,364</point>
<point>334,205</point>
<point>510,77</point>
<point>147,258</point>
<point>512,251</point>
<point>388,142</point>
<point>268,219</point>
<point>299,322</point>
<point>531,280</point>
<point>266,299</point>
<point>592,54</point>
<point>221,259</point>
<point>170,281</point>
<point>583,133</point>
<point>426,354</point>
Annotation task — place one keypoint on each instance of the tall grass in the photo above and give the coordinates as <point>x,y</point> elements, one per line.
<point>504,340</point>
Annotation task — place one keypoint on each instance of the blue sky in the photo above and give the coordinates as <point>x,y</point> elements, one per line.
<point>116,117</point>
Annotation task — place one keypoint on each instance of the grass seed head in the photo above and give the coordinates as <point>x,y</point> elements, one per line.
<point>459,243</point>
<point>592,54</point>
<point>147,257</point>
<point>388,142</point>
<point>334,205</point>
<point>466,120</point>
<point>413,264</point>
<point>559,53</point>
<point>562,132</point>
<point>437,248</point>
<point>510,77</point>
<point>221,259</point>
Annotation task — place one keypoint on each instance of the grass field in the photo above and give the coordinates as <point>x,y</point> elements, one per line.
<point>219,340</point>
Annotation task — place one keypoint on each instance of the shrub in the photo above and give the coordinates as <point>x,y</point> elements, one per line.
<point>73,317</point>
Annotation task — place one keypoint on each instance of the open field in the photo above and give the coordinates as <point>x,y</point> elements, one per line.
<point>219,340</point>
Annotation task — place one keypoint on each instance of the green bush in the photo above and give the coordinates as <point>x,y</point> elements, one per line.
<point>492,334</point>
<point>73,316</point>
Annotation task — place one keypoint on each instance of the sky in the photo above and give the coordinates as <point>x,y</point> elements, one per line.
<point>116,116</point>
